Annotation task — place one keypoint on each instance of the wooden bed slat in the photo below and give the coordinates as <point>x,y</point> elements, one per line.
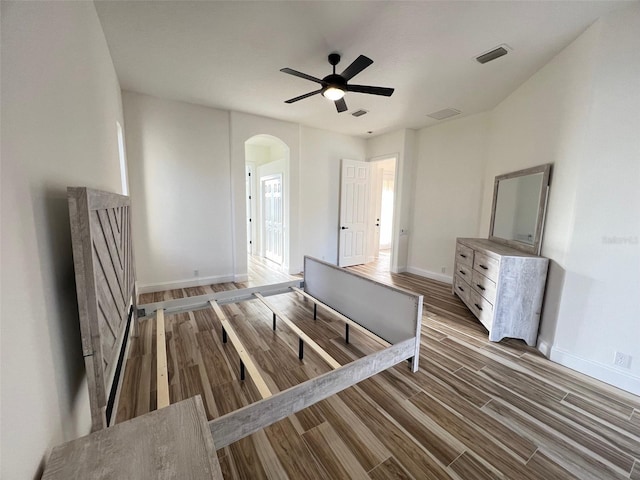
<point>314,346</point>
<point>161,355</point>
<point>251,367</point>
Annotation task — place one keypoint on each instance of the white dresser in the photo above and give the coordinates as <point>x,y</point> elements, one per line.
<point>502,286</point>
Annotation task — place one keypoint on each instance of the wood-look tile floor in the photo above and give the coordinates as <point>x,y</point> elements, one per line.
<point>475,410</point>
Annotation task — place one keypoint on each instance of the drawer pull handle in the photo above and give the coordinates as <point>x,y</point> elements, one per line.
<point>463,255</point>
<point>478,306</point>
<point>460,288</point>
<point>480,287</point>
<point>462,272</point>
<point>483,267</point>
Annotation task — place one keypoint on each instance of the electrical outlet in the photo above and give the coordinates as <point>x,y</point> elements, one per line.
<point>443,269</point>
<point>196,273</point>
<point>622,360</point>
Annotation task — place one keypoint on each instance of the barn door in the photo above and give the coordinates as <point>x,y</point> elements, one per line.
<point>354,198</point>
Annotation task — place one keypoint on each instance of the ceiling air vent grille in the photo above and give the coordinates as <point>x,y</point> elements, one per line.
<point>446,113</point>
<point>359,113</point>
<point>493,54</point>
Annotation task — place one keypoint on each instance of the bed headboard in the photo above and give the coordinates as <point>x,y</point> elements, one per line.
<point>105,284</point>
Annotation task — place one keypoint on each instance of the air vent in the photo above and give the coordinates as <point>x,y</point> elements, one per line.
<point>497,52</point>
<point>446,113</point>
<point>359,113</point>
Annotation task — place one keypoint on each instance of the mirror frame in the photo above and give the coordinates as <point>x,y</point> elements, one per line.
<point>542,207</point>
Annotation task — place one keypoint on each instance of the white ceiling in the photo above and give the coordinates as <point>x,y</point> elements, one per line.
<point>227,54</point>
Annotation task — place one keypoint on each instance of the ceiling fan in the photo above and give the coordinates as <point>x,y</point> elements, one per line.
<point>335,86</point>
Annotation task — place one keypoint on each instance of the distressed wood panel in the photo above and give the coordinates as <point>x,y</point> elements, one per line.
<point>172,443</point>
<point>105,278</point>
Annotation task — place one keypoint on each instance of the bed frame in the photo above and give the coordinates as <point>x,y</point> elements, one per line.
<point>389,315</point>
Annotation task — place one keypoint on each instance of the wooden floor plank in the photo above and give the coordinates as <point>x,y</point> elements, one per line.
<point>469,466</point>
<point>390,469</point>
<point>542,464</point>
<point>365,446</point>
<point>576,460</point>
<point>295,456</point>
<point>332,453</point>
<point>564,427</point>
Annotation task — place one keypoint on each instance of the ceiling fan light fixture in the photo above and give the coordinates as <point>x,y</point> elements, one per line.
<point>333,93</point>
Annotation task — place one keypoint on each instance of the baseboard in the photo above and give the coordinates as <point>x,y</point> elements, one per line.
<point>440,277</point>
<point>544,348</point>
<point>192,282</point>
<point>240,278</point>
<point>605,373</point>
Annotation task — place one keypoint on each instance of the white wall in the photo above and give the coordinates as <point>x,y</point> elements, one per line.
<point>600,303</point>
<point>178,155</point>
<point>580,112</point>
<point>321,152</point>
<point>400,144</point>
<point>449,181</point>
<point>187,178</point>
<point>257,154</point>
<point>60,104</point>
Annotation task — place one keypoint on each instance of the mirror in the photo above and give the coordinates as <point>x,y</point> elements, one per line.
<point>519,204</point>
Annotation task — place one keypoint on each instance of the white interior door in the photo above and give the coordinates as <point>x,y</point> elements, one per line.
<point>272,218</point>
<point>354,199</point>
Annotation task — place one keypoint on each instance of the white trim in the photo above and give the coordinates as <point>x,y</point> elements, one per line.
<point>429,274</point>
<point>599,371</point>
<point>192,282</point>
<point>241,278</point>
<point>544,348</point>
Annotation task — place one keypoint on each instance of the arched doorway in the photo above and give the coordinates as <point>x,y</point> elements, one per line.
<point>267,184</point>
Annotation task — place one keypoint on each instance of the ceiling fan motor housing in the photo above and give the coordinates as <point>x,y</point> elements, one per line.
<point>335,81</point>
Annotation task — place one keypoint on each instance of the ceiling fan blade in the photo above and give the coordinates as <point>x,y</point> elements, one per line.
<point>291,100</point>
<point>296,73</point>
<point>356,67</point>
<point>341,105</point>
<point>384,91</point>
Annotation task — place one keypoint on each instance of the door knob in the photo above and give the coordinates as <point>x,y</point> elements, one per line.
<point>344,228</point>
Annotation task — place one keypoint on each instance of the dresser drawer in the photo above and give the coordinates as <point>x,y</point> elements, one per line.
<point>484,286</point>
<point>486,265</point>
<point>461,288</point>
<point>464,271</point>
<point>481,309</point>
<point>464,255</point>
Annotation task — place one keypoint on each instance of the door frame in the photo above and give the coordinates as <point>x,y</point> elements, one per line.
<point>395,226</point>
<point>252,237</point>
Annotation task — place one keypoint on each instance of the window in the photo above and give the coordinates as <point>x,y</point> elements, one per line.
<point>123,160</point>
